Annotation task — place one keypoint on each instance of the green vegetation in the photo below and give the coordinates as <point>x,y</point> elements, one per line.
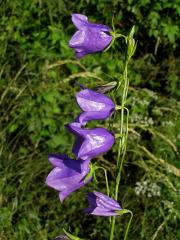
<point>39,77</point>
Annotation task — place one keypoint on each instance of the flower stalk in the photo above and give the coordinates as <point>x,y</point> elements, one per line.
<point>123,132</point>
<point>68,175</point>
<point>129,223</point>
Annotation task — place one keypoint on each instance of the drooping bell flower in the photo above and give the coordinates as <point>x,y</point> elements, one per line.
<point>90,142</point>
<point>102,205</point>
<point>68,175</point>
<point>95,106</point>
<point>90,37</point>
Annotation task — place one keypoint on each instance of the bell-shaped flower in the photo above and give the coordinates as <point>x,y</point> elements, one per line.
<point>68,175</point>
<point>95,106</point>
<point>90,37</point>
<point>90,142</point>
<point>102,205</point>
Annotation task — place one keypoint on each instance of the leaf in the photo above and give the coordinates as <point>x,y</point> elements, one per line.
<point>72,237</point>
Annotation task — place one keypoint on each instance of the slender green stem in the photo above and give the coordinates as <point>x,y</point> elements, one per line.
<point>112,228</point>
<point>131,47</point>
<point>124,149</point>
<point>106,178</point>
<point>107,184</point>
<point>129,223</point>
<point>122,142</point>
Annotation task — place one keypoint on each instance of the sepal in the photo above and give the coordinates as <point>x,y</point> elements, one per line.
<point>123,211</point>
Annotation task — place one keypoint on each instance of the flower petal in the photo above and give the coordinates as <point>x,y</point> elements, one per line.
<point>67,173</point>
<point>57,159</point>
<point>100,27</point>
<point>81,54</point>
<point>90,38</point>
<point>102,205</point>
<point>79,20</point>
<point>64,162</point>
<point>96,106</point>
<point>77,39</point>
<point>106,201</point>
<point>90,142</point>
<point>98,211</point>
<point>65,193</point>
<point>61,179</point>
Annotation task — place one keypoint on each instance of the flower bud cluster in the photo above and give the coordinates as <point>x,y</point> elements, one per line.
<point>68,174</point>
<point>131,44</point>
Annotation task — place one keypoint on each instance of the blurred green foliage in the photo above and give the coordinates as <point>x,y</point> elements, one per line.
<point>39,77</point>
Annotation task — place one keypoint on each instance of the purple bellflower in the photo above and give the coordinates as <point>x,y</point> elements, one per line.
<point>95,106</point>
<point>102,205</point>
<point>68,175</point>
<point>90,37</point>
<point>90,142</point>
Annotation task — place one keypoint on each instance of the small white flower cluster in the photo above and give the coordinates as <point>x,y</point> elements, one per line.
<point>136,101</point>
<point>150,189</point>
<point>167,123</point>
<point>152,94</point>
<point>178,137</point>
<point>157,111</point>
<point>141,99</point>
<point>142,120</point>
<point>177,140</point>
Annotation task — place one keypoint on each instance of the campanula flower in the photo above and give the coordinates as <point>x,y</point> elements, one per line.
<point>102,205</point>
<point>90,142</point>
<point>68,174</point>
<point>90,37</point>
<point>95,106</point>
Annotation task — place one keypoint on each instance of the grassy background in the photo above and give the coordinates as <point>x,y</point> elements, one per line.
<point>38,76</point>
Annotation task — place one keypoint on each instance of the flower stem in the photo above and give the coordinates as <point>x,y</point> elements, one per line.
<point>112,228</point>
<point>130,50</point>
<point>129,223</point>
<point>122,142</point>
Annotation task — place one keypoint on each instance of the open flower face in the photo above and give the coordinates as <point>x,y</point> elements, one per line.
<point>90,37</point>
<point>102,205</point>
<point>68,174</point>
<point>90,142</point>
<point>95,106</point>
